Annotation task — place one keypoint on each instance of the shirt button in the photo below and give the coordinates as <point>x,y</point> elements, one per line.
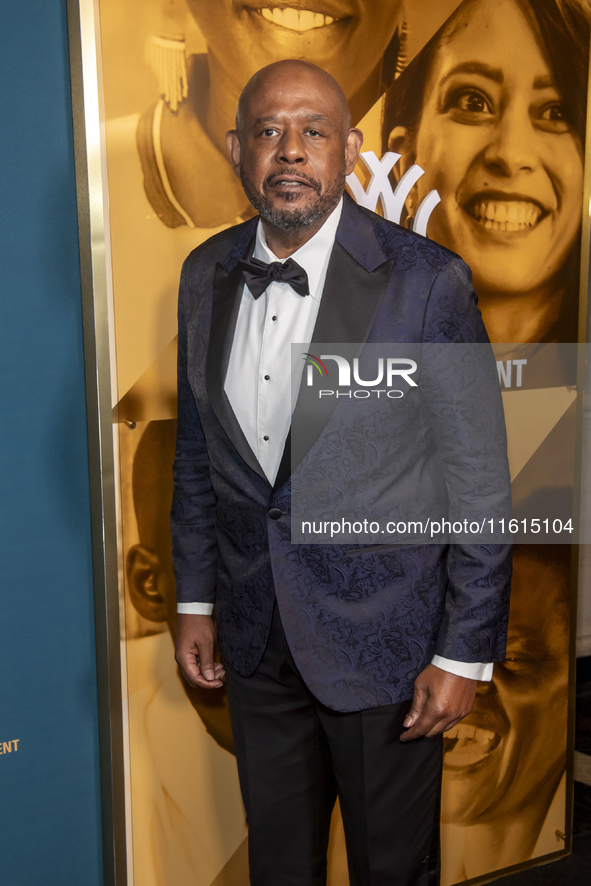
<point>267,377</point>
<point>275,513</point>
<point>265,437</point>
<point>273,318</point>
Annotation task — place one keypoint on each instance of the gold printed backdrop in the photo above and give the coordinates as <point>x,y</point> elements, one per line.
<point>489,98</point>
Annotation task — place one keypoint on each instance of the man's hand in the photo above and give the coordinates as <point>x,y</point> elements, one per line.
<point>440,701</point>
<point>195,640</point>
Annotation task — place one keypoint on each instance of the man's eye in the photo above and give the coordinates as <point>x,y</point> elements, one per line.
<point>269,132</point>
<point>313,132</point>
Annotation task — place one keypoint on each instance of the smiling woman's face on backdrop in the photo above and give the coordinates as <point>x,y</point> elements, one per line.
<point>509,752</point>
<point>347,38</point>
<point>496,142</point>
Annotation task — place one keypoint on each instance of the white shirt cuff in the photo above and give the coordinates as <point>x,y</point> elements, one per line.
<point>471,670</point>
<point>194,608</point>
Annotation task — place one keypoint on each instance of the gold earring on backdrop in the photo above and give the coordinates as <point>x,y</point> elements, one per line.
<point>167,54</point>
<point>402,60</point>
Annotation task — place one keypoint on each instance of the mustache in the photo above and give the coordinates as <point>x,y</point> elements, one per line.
<point>296,174</point>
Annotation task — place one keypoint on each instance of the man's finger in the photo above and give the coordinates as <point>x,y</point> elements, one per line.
<point>211,670</point>
<point>205,660</point>
<point>194,675</point>
<point>416,709</point>
<point>427,720</point>
<point>428,725</point>
<point>190,669</point>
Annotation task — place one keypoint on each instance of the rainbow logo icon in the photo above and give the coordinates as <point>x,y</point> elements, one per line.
<point>311,360</point>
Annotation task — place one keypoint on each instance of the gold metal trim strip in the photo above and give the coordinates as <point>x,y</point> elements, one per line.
<point>84,39</point>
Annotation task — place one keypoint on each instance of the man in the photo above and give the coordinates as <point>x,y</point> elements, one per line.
<point>320,681</point>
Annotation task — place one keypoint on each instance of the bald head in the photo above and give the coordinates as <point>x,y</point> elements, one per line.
<point>287,76</point>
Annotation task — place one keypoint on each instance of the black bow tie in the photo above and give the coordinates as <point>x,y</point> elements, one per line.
<point>258,275</point>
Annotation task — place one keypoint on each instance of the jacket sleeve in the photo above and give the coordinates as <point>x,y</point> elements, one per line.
<point>192,519</point>
<point>463,399</point>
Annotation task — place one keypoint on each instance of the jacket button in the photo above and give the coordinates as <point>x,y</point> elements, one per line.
<point>275,513</point>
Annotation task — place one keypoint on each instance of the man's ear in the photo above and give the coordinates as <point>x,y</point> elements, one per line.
<point>233,147</point>
<point>353,146</point>
<point>143,571</point>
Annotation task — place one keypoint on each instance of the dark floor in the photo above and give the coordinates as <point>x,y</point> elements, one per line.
<point>575,869</point>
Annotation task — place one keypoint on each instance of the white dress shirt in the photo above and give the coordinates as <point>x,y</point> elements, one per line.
<point>258,381</point>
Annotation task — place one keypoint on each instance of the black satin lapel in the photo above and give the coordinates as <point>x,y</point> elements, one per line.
<point>284,472</point>
<point>350,302</point>
<point>227,290</point>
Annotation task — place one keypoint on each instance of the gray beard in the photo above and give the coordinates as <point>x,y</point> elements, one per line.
<point>294,219</point>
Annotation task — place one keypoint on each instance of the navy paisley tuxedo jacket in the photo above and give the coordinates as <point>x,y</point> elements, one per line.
<point>361,621</point>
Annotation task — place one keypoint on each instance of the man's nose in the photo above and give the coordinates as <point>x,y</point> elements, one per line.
<point>291,149</point>
<point>512,148</point>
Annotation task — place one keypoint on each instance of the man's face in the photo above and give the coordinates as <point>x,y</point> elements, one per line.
<point>347,38</point>
<point>509,752</point>
<point>294,148</point>
<point>496,142</point>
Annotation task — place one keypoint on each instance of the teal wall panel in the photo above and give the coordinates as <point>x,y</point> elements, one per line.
<point>49,780</point>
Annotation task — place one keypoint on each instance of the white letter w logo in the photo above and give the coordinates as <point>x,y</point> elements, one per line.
<point>392,201</point>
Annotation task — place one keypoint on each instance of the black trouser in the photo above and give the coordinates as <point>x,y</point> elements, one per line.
<point>295,756</point>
